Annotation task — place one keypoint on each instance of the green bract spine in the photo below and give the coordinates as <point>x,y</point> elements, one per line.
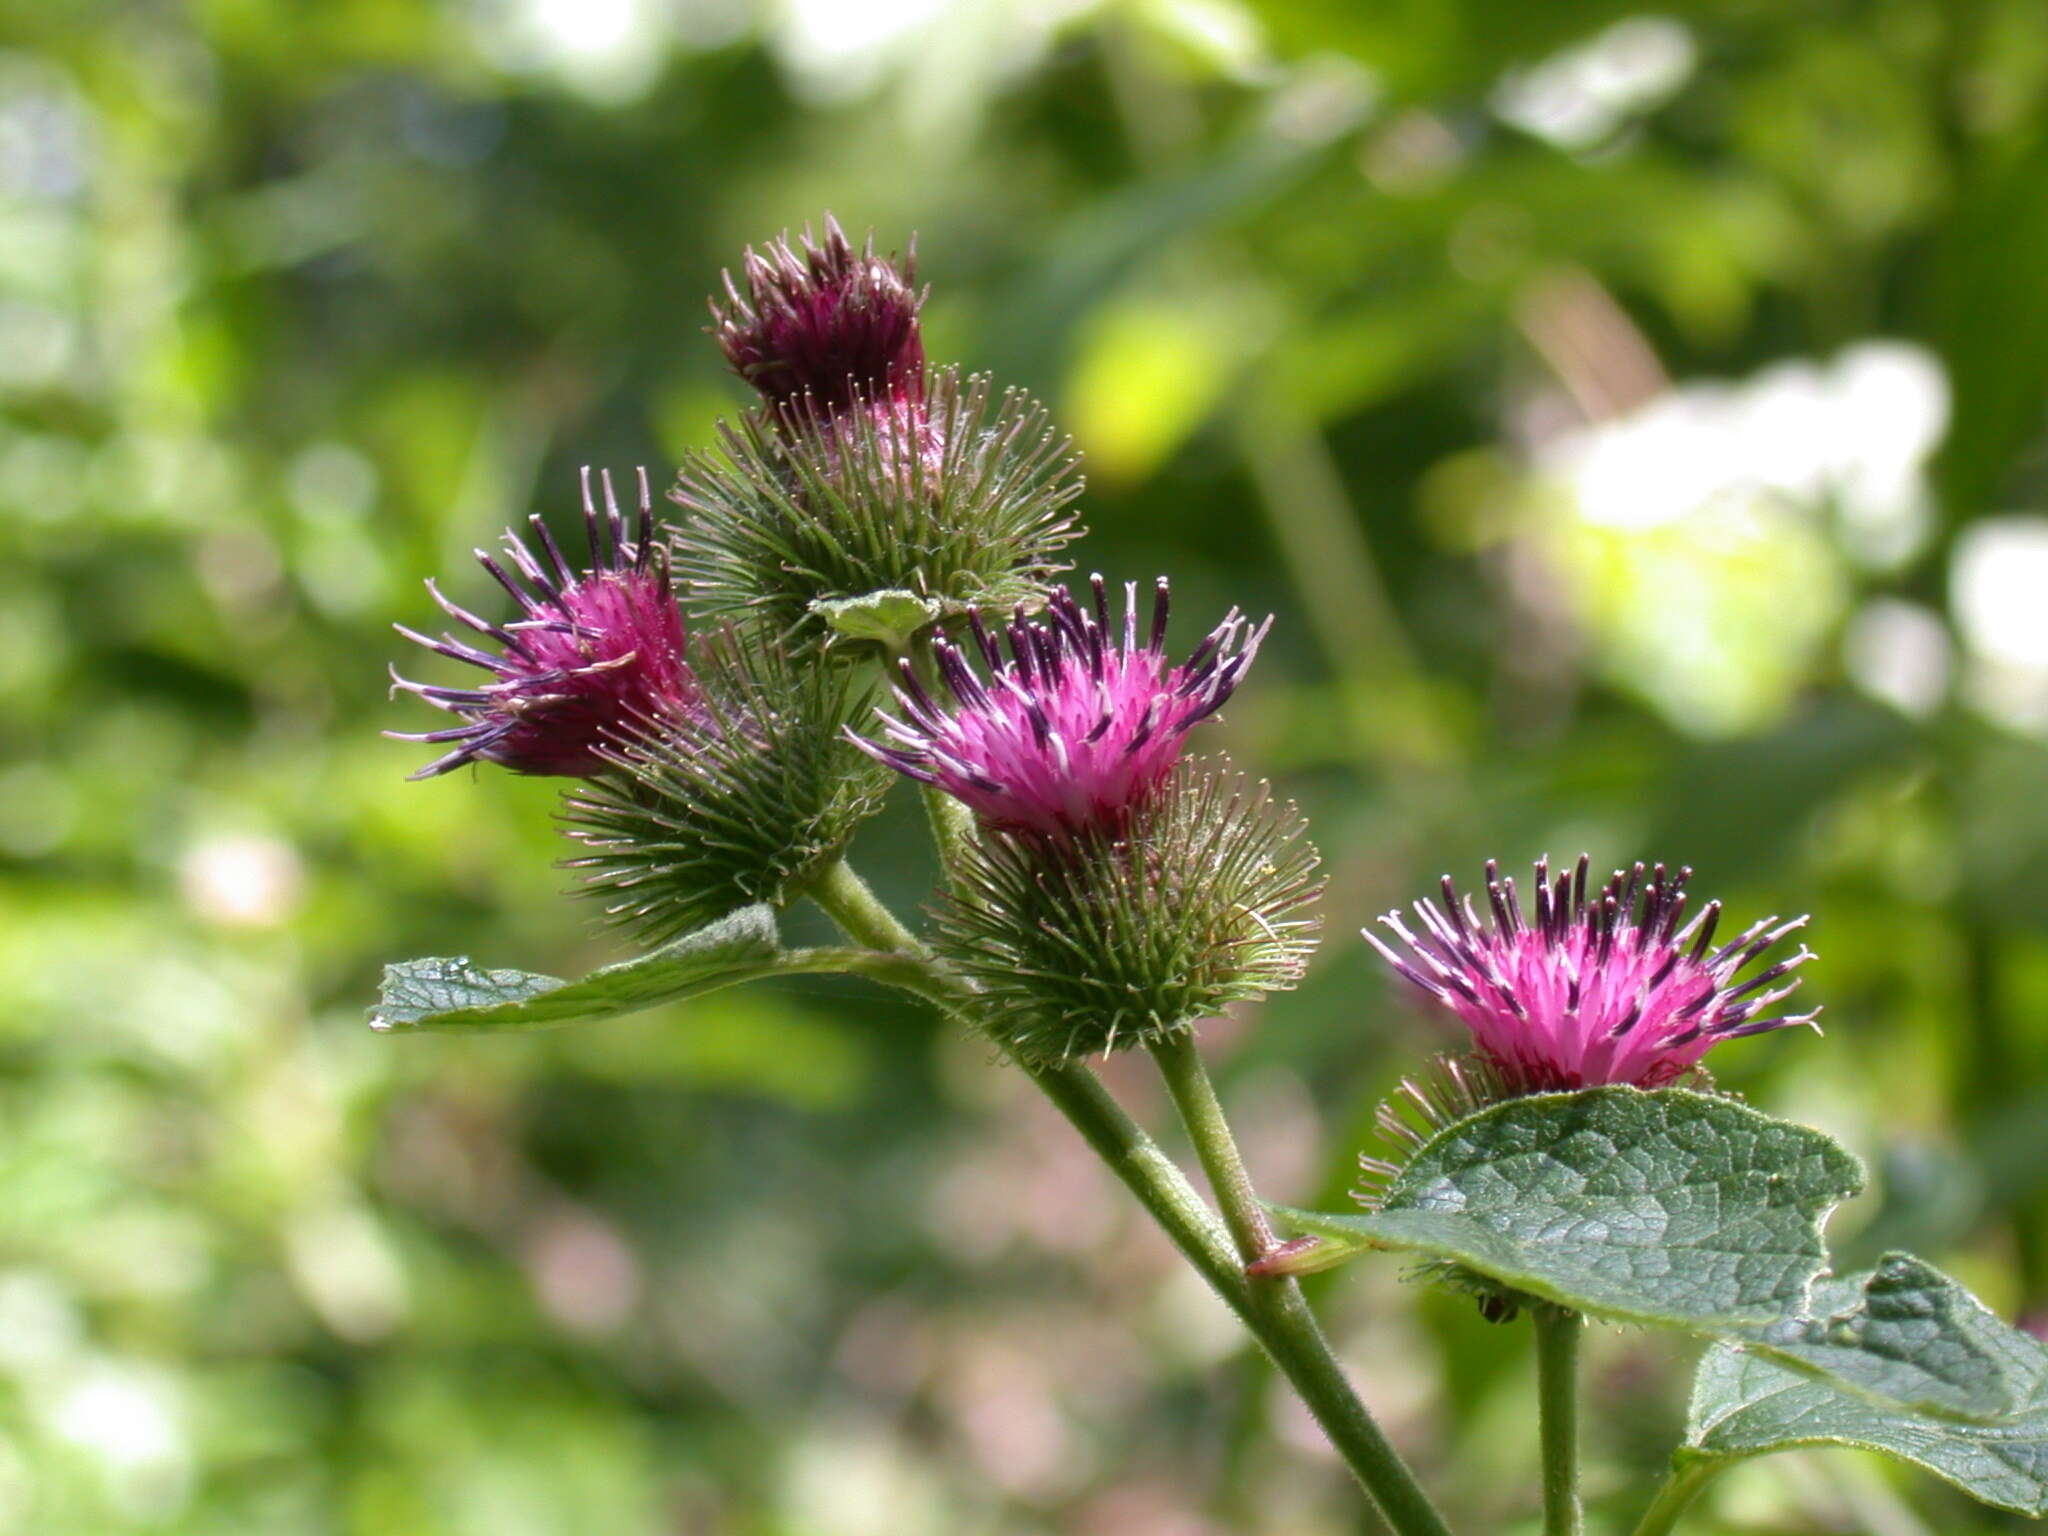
<point>741,799</point>
<point>963,498</point>
<point>1080,946</point>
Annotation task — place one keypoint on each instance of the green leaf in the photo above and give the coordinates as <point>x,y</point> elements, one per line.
<point>1906,1332</point>
<point>889,617</point>
<point>1744,1404</point>
<point>1668,1207</point>
<point>454,994</point>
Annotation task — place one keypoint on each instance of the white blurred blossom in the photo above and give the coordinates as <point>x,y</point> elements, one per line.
<point>1704,538</point>
<point>131,1419</point>
<point>1899,652</point>
<point>1577,98</point>
<point>242,880</point>
<point>1996,577</point>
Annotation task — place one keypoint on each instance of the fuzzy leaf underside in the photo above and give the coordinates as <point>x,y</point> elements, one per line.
<point>1666,1207</point>
<point>1745,1404</point>
<point>436,994</point>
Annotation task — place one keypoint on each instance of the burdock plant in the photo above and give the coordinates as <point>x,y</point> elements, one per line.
<point>862,585</point>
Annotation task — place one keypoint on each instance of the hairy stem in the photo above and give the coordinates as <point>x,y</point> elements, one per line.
<point>1180,1062</point>
<point>862,915</point>
<point>1557,1398</point>
<point>952,824</point>
<point>1153,1177</point>
<point>1276,1311</point>
<point>1075,1091</point>
<point>1687,1478</point>
<point>1273,1310</point>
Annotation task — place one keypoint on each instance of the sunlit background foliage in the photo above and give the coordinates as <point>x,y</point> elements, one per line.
<point>1635,419</point>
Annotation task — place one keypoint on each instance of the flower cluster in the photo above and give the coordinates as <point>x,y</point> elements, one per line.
<point>1102,890</point>
<point>1077,727</point>
<point>1594,987</point>
<point>1112,892</point>
<point>595,651</point>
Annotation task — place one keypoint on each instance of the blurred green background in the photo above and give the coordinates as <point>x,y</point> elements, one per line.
<point>1636,421</point>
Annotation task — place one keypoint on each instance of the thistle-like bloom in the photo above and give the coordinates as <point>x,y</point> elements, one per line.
<point>824,322</point>
<point>1078,728</point>
<point>1107,941</point>
<point>596,654</point>
<point>1606,988</point>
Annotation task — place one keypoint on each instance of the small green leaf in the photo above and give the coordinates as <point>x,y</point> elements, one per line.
<point>1668,1207</point>
<point>1907,1333</point>
<point>889,617</point>
<point>454,994</point>
<point>1746,1405</point>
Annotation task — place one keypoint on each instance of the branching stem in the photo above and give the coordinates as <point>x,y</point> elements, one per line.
<point>1272,1309</point>
<point>1687,1478</point>
<point>1276,1311</point>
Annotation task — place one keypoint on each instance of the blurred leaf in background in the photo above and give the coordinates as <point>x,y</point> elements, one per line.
<point>1635,418</point>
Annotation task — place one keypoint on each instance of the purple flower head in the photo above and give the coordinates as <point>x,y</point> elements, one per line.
<point>824,322</point>
<point>1601,989</point>
<point>1077,727</point>
<point>595,654</point>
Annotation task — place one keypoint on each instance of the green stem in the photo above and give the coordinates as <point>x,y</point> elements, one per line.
<point>1687,1478</point>
<point>1152,1176</point>
<point>1278,1314</point>
<point>1557,1397</point>
<point>909,972</point>
<point>1273,1310</point>
<point>1180,1061</point>
<point>952,825</point>
<point>1116,1138</point>
<point>861,914</point>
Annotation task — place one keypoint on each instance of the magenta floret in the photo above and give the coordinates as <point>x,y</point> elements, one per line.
<point>1077,727</point>
<point>1594,988</point>
<point>595,655</point>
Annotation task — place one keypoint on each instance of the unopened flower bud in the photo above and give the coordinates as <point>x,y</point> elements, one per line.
<point>594,654</point>
<point>824,327</point>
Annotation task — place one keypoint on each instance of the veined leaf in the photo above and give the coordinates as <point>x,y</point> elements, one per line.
<point>1907,1333</point>
<point>1666,1207</point>
<point>1745,1404</point>
<point>454,994</point>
